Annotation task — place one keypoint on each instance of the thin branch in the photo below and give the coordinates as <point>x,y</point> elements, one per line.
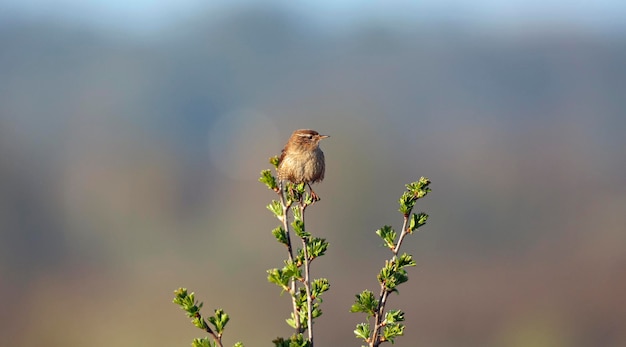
<point>402,234</point>
<point>307,287</point>
<point>285,220</point>
<point>375,341</point>
<point>217,338</point>
<point>384,292</point>
<point>307,277</point>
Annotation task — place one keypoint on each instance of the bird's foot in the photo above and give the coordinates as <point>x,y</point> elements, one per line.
<point>314,196</point>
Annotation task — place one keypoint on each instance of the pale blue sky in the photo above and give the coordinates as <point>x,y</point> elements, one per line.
<point>145,15</point>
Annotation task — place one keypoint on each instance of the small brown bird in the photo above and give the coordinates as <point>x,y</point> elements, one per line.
<point>302,160</point>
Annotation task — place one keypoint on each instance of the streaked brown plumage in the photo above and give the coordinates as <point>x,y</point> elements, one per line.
<point>302,160</point>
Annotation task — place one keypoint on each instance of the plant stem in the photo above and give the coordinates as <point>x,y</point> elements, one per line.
<point>216,338</point>
<point>307,279</point>
<point>307,287</point>
<point>402,234</point>
<point>378,316</point>
<point>285,220</point>
<point>384,293</point>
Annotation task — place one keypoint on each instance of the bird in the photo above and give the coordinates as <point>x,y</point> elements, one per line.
<point>302,160</point>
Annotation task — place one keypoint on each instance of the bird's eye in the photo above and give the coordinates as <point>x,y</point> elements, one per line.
<point>309,137</point>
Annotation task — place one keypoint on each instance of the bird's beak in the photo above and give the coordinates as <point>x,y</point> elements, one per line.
<point>324,136</point>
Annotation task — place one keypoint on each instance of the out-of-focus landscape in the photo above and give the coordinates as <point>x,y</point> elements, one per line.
<point>130,153</point>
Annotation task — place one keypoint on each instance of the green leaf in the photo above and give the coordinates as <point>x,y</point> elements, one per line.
<point>404,260</point>
<point>298,229</point>
<point>292,270</point>
<point>391,331</point>
<point>280,342</point>
<point>365,302</point>
<point>303,313</point>
<point>391,276</point>
<point>299,259</point>
<point>316,247</point>
<point>363,331</point>
<point>414,191</point>
<point>420,188</point>
<point>394,316</point>
<point>203,342</point>
<point>276,208</point>
<point>296,340</point>
<point>280,235</point>
<point>199,322</point>
<point>295,192</point>
<point>297,213</point>
<point>303,318</point>
<point>187,302</point>
<point>317,311</point>
<point>416,221</point>
<point>291,321</point>
<point>400,277</point>
<point>385,274</point>
<point>269,180</point>
<point>275,160</point>
<point>298,223</point>
<point>300,188</point>
<point>301,300</point>
<point>388,235</point>
<point>280,278</point>
<point>219,320</point>
<point>307,199</point>
<point>406,203</point>
<point>238,344</point>
<point>319,286</point>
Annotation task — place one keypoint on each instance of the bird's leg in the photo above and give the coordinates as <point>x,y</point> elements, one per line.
<point>313,195</point>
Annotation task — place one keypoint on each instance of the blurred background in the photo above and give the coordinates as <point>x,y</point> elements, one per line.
<point>132,135</point>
